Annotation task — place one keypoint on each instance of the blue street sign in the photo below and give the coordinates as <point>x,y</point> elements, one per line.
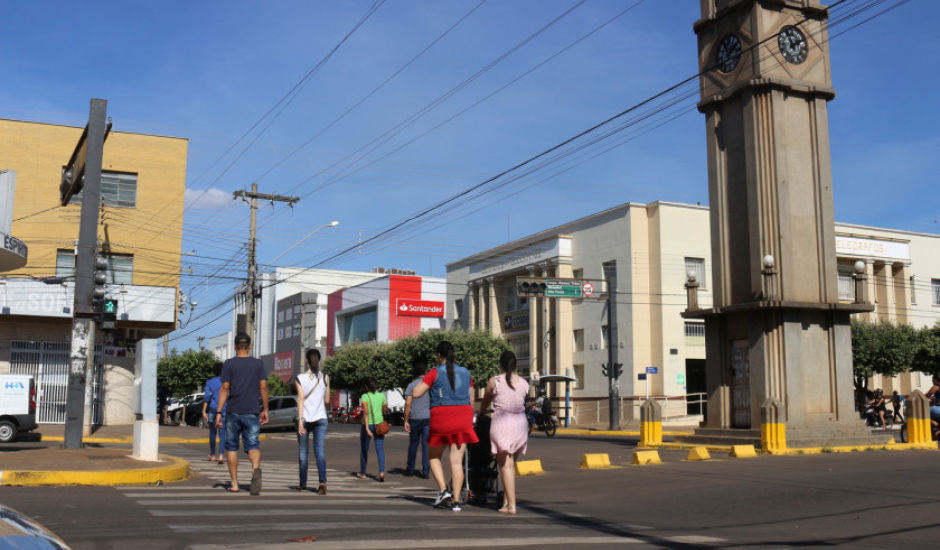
<point>652,370</point>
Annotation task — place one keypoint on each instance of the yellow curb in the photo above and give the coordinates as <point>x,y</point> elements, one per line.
<point>529,467</point>
<point>177,469</point>
<point>170,440</point>
<point>857,448</point>
<point>628,433</point>
<point>642,458</point>
<point>688,446</point>
<point>595,461</point>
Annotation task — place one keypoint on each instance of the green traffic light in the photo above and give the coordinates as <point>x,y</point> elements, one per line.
<point>110,306</point>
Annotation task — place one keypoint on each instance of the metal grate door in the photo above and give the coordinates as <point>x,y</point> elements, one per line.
<point>48,364</point>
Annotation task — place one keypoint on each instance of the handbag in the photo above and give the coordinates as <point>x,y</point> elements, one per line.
<point>381,428</point>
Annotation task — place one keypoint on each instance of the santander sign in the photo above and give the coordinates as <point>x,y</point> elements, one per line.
<point>419,308</point>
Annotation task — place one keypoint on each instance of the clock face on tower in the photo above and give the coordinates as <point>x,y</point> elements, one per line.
<point>792,44</point>
<point>728,54</point>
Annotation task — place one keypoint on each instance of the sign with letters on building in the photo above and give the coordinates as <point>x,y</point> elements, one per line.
<point>419,308</point>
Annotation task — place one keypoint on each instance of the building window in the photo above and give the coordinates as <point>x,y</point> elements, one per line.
<point>520,347</point>
<point>359,327</point>
<point>935,291</point>
<point>604,333</point>
<point>577,273</point>
<point>458,312</point>
<point>697,266</point>
<point>694,334</point>
<point>913,291</point>
<point>120,267</point>
<point>579,339</point>
<point>579,374</point>
<point>117,189</point>
<point>846,286</point>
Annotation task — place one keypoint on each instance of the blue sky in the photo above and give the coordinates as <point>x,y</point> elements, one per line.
<point>209,70</point>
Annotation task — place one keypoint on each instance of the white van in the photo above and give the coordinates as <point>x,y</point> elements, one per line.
<point>17,405</point>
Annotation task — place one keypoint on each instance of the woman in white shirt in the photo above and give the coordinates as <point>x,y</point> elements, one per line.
<point>313,394</point>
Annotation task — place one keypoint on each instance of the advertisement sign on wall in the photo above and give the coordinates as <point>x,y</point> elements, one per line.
<point>419,308</point>
<point>284,365</point>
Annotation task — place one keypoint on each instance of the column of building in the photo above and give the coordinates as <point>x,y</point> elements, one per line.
<point>493,318</point>
<point>534,340</point>
<point>472,306</point>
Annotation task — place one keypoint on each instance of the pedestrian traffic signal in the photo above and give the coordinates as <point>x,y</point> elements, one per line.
<point>109,311</point>
<point>528,286</point>
<point>617,370</point>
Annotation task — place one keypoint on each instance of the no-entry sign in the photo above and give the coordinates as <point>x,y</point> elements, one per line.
<point>587,289</point>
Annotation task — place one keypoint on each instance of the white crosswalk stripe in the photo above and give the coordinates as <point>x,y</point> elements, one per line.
<point>360,515</point>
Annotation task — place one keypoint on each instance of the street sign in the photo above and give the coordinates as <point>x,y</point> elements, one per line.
<point>641,376</point>
<point>587,289</point>
<point>652,370</point>
<point>563,288</point>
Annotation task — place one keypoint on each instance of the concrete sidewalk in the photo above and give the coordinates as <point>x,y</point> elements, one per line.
<point>39,459</point>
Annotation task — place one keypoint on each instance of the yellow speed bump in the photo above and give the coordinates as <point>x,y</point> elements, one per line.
<point>646,457</point>
<point>742,451</point>
<point>529,468</point>
<point>698,453</point>
<point>595,461</point>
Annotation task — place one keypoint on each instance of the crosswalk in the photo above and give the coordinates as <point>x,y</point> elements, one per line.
<point>357,514</point>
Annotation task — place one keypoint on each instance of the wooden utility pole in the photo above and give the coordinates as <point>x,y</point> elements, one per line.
<point>253,292</point>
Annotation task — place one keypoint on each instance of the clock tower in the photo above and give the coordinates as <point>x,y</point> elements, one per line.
<point>778,342</point>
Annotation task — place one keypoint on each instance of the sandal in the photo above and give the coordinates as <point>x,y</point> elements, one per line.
<point>507,510</point>
<point>361,476</point>
<point>381,478</point>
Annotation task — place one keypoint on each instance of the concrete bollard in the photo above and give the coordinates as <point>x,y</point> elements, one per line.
<point>529,467</point>
<point>651,424</point>
<point>918,418</point>
<point>698,453</point>
<point>642,458</point>
<point>773,430</point>
<point>742,451</point>
<point>595,461</point>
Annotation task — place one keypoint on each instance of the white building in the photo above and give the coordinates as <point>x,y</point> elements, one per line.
<point>651,248</point>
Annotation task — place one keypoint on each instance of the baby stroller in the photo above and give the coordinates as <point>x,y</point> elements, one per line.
<point>480,466</point>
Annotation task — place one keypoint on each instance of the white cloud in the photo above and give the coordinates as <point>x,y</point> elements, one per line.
<point>206,199</point>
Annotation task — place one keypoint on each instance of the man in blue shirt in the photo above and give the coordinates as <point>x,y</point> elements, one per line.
<point>210,400</point>
<point>245,391</point>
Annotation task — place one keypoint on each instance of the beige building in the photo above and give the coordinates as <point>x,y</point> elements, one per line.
<point>139,233</point>
<point>653,247</point>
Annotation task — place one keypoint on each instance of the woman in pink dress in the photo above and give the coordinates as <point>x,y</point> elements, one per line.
<point>509,430</point>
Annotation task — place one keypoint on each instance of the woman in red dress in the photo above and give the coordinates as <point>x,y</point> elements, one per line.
<point>451,421</point>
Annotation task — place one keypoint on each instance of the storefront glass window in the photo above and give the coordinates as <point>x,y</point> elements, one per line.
<point>360,327</point>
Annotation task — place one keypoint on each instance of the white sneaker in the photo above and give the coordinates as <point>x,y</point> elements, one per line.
<point>455,507</point>
<point>442,497</point>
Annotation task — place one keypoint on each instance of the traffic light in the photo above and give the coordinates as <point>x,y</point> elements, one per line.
<point>101,279</point>
<point>529,286</point>
<point>617,371</point>
<point>109,311</point>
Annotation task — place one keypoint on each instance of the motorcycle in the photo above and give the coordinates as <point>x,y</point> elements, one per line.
<point>547,424</point>
<point>873,419</point>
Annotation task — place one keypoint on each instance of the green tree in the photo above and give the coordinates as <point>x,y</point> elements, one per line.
<point>392,365</point>
<point>927,355</point>
<point>277,386</point>
<point>882,348</point>
<point>185,373</point>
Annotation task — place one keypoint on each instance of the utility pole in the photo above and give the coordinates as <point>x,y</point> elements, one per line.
<point>83,174</point>
<point>253,291</point>
<point>612,368</point>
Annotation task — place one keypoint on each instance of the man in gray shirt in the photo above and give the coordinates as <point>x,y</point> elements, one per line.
<point>417,424</point>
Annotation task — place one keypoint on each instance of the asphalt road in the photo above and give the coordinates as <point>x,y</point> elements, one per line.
<point>850,500</point>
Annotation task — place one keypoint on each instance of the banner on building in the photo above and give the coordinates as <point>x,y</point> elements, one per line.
<point>419,308</point>
<point>284,365</point>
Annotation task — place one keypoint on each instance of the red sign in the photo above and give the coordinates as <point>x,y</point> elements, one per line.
<point>284,365</point>
<point>419,308</point>
<point>587,289</point>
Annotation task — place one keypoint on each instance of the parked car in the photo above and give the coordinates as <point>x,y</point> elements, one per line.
<point>175,412</point>
<point>282,413</point>
<point>193,414</point>
<point>17,405</point>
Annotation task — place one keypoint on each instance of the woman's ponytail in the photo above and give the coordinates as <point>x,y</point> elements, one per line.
<point>507,363</point>
<point>446,350</point>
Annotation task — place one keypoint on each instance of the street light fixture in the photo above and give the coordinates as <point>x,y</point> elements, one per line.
<point>333,223</point>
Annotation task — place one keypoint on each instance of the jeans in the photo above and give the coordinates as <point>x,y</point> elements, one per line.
<point>318,429</point>
<point>213,430</point>
<point>246,425</point>
<point>364,449</point>
<point>420,430</point>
